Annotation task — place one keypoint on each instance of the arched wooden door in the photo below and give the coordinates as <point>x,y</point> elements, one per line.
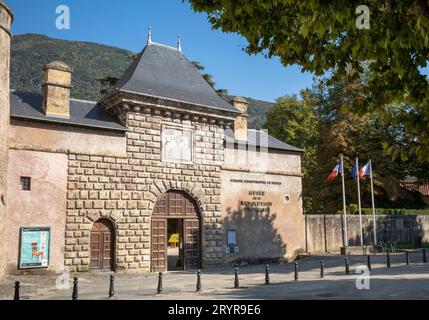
<point>175,205</point>
<point>102,245</point>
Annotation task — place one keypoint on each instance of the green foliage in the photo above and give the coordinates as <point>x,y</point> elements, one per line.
<point>296,122</point>
<point>408,246</point>
<point>209,78</point>
<point>395,211</point>
<point>353,210</point>
<point>322,37</point>
<point>307,204</point>
<point>89,61</point>
<point>320,124</point>
<point>106,83</point>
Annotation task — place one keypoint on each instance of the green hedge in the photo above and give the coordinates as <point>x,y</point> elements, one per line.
<point>407,246</point>
<point>353,209</point>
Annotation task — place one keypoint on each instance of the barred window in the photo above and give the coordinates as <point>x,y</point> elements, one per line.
<point>25,184</point>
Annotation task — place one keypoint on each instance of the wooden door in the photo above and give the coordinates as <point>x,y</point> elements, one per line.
<point>102,245</point>
<point>159,245</point>
<point>175,205</point>
<point>192,243</point>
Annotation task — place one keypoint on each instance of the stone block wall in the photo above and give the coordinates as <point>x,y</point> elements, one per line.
<point>324,232</point>
<point>125,189</point>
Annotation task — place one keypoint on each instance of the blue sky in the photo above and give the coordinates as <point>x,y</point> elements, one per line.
<point>124,24</point>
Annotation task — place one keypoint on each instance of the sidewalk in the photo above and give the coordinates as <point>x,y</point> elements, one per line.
<point>401,281</point>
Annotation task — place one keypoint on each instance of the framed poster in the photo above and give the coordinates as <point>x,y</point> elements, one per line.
<point>34,248</point>
<point>232,237</point>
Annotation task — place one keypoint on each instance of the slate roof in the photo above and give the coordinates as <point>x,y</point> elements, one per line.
<point>26,105</point>
<point>273,143</point>
<point>165,72</point>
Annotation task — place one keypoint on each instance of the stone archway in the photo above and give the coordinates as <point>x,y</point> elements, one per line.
<point>178,206</point>
<point>102,245</point>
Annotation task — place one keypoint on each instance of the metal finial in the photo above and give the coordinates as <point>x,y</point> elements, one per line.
<point>179,43</point>
<point>149,35</point>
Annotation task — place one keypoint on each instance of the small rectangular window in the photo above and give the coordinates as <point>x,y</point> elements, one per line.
<point>25,184</point>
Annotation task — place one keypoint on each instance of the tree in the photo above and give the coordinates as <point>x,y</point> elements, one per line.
<point>322,36</point>
<point>209,78</point>
<point>363,136</point>
<point>108,82</point>
<point>320,124</point>
<point>296,121</point>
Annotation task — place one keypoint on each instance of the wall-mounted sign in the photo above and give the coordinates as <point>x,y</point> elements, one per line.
<point>256,202</point>
<point>232,249</point>
<point>34,248</point>
<point>232,237</point>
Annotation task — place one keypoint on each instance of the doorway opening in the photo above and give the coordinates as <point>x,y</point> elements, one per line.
<point>102,243</point>
<point>175,244</point>
<point>176,231</point>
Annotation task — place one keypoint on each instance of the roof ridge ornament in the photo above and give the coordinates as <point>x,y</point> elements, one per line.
<point>179,43</point>
<point>149,35</point>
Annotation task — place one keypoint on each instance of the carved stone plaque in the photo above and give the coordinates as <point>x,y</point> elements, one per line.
<point>176,144</point>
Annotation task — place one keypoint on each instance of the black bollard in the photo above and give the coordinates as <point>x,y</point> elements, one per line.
<point>322,268</point>
<point>424,256</point>
<point>347,266</point>
<point>198,280</point>
<point>112,286</point>
<point>296,271</point>
<point>267,274</point>
<point>368,264</point>
<point>160,276</point>
<point>407,257</point>
<point>75,294</point>
<point>236,281</point>
<point>388,260</point>
<point>16,296</point>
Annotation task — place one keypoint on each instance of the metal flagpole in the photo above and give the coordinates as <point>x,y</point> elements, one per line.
<point>346,238</point>
<point>359,203</point>
<point>373,204</point>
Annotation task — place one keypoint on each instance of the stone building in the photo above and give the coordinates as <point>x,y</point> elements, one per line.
<point>149,178</point>
<point>6,18</point>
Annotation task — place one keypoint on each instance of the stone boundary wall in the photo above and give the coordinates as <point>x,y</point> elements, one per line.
<point>323,233</point>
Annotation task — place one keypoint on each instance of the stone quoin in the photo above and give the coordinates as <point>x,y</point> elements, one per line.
<point>160,174</point>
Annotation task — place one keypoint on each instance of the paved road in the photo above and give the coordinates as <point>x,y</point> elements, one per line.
<point>401,281</point>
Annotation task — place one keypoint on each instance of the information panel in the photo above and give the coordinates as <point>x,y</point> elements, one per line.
<point>34,248</point>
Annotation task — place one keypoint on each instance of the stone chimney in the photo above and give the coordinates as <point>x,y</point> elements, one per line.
<point>56,89</point>
<point>241,121</point>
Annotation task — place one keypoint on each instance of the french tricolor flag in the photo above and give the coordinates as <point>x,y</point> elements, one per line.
<point>337,170</point>
<point>366,170</point>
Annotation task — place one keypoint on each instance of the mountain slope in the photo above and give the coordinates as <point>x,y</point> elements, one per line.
<point>257,112</point>
<point>89,61</point>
